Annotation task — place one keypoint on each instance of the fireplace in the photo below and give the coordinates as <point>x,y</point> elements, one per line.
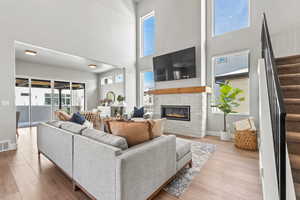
<point>181,113</point>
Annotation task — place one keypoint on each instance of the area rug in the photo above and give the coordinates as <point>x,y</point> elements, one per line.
<point>201,152</point>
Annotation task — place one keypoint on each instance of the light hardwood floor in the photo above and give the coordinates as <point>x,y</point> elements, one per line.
<point>230,174</point>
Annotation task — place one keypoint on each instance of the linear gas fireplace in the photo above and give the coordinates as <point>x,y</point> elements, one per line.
<point>181,113</point>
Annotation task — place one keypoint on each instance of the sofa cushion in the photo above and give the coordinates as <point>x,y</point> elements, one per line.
<point>106,138</point>
<point>157,127</point>
<point>134,132</point>
<point>55,123</point>
<point>73,127</point>
<point>78,118</point>
<point>183,147</point>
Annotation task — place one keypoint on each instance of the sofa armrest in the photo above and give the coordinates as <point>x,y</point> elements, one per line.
<point>57,145</point>
<point>95,167</point>
<point>143,169</point>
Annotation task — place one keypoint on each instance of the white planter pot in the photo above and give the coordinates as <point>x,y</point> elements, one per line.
<point>225,136</point>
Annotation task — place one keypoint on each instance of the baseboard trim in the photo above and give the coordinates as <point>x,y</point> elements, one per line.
<point>13,146</point>
<point>185,135</point>
<point>213,133</point>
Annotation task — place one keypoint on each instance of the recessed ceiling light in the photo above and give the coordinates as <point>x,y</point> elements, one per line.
<point>30,52</point>
<point>92,66</point>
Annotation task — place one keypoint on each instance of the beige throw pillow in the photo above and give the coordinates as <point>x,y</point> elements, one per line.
<point>62,115</point>
<point>134,132</point>
<point>157,127</point>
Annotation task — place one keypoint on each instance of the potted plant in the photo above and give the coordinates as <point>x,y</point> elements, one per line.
<point>228,99</point>
<point>120,99</point>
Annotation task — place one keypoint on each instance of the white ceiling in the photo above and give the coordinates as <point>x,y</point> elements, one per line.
<point>59,59</point>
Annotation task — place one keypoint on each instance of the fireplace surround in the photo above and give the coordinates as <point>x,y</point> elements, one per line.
<point>176,112</point>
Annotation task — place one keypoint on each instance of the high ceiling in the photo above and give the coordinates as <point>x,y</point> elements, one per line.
<point>59,59</point>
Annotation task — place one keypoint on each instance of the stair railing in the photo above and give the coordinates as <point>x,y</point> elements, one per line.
<point>277,110</point>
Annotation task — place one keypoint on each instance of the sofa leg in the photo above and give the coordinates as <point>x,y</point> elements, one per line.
<point>191,164</point>
<point>75,187</point>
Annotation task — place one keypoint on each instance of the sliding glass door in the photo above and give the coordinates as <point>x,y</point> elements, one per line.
<point>37,99</point>
<point>78,96</point>
<point>40,101</point>
<point>22,92</point>
<point>62,96</point>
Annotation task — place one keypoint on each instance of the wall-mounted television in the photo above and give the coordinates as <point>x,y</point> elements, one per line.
<point>175,66</point>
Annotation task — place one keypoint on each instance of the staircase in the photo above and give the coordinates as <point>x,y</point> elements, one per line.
<point>289,76</point>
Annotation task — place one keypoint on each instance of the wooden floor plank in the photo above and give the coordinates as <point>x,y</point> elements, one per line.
<point>229,174</point>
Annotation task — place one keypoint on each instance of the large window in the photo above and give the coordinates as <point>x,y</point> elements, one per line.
<point>78,97</point>
<point>148,35</point>
<point>62,92</point>
<point>37,99</point>
<point>147,84</point>
<point>233,68</point>
<point>40,112</point>
<point>230,15</point>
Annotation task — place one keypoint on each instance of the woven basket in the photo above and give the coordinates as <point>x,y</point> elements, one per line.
<point>246,140</point>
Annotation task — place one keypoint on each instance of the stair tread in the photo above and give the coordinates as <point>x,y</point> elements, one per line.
<point>297,189</point>
<point>295,161</point>
<point>290,87</point>
<point>291,100</point>
<point>287,58</point>
<point>293,117</point>
<point>293,136</point>
<point>297,75</point>
<point>289,65</point>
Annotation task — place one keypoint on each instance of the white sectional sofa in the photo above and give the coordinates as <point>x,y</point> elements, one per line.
<point>104,167</point>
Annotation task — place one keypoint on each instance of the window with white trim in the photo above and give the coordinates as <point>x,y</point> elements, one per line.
<point>234,68</point>
<point>230,15</point>
<point>147,39</point>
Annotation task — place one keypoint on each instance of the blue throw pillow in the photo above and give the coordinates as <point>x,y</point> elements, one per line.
<point>77,118</point>
<point>138,112</point>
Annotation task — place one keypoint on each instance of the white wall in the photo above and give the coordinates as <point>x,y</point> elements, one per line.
<point>177,27</point>
<point>35,70</point>
<point>282,16</point>
<point>117,88</point>
<point>102,30</point>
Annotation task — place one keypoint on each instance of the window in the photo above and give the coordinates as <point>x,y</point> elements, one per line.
<point>147,35</point>
<point>230,15</point>
<point>48,99</point>
<point>78,97</point>
<point>233,68</point>
<point>106,80</point>
<point>119,78</point>
<point>147,84</point>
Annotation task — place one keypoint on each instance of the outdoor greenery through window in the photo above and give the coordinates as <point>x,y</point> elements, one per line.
<point>148,34</point>
<point>230,15</point>
<point>233,68</point>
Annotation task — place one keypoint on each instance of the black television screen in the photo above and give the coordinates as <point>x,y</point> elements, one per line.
<point>175,66</point>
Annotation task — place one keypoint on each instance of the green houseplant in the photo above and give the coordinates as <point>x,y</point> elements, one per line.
<point>228,99</point>
<point>120,99</point>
